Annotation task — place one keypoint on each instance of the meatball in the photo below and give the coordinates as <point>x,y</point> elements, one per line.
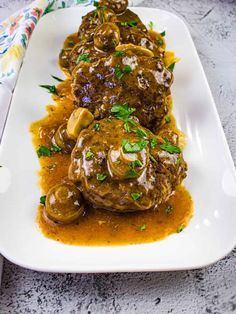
<point>125,169</point>
<point>125,77</point>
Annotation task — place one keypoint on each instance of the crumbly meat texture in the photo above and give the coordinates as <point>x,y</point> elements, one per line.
<point>97,86</point>
<point>105,174</point>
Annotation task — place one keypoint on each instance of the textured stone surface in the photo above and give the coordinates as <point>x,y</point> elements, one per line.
<point>210,290</point>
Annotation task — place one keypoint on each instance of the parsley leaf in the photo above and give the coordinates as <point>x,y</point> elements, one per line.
<point>153,142</point>
<point>51,89</point>
<point>180,228</point>
<point>150,25</point>
<point>142,228</point>
<point>43,199</point>
<point>163,34</point>
<point>119,73</point>
<point>55,148</point>
<point>118,53</point>
<point>43,151</point>
<point>57,78</point>
<point>168,210</point>
<point>137,147</point>
<point>141,133</point>
<point>129,23</point>
<point>136,163</point>
<point>83,57</point>
<point>136,195</point>
<point>97,126</point>
<point>170,148</point>
<point>131,174</point>
<point>171,66</point>
<point>152,158</point>
<point>89,155</point>
<point>101,177</point>
<point>167,119</point>
<point>122,112</point>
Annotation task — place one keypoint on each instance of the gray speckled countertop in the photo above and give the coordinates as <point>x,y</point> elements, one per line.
<point>210,290</point>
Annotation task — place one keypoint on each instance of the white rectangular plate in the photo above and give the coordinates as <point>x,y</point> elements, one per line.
<point>211,179</point>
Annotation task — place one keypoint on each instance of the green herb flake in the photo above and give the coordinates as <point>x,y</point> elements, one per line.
<point>97,126</point>
<point>61,52</point>
<point>167,119</point>
<point>118,73</point>
<point>43,199</point>
<point>163,34</point>
<point>129,23</point>
<point>118,53</point>
<point>122,112</point>
<point>168,210</point>
<point>83,57</point>
<point>71,43</point>
<point>171,67</point>
<point>101,177</point>
<point>136,163</point>
<point>150,25</point>
<point>153,143</point>
<point>129,147</point>
<point>55,148</point>
<point>96,4</point>
<point>127,69</point>
<point>170,148</point>
<point>117,162</point>
<point>180,228</point>
<point>57,78</point>
<point>142,228</point>
<point>51,89</point>
<point>89,155</point>
<point>43,151</point>
<point>152,159</point>
<point>141,133</point>
<point>159,41</point>
<point>136,196</point>
<point>131,174</point>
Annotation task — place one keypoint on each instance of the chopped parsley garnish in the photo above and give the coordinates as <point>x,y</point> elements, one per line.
<point>170,148</point>
<point>171,66</point>
<point>168,210</point>
<point>43,151</point>
<point>55,148</point>
<point>122,112</point>
<point>167,119</point>
<point>141,133</point>
<point>118,53</point>
<point>180,228</point>
<point>136,195</point>
<point>71,43</point>
<point>163,34</point>
<point>150,25</point>
<point>51,89</point>
<point>117,162</point>
<point>119,73</point>
<point>43,199</point>
<point>160,41</point>
<point>131,174</point>
<point>89,155</point>
<point>142,228</point>
<point>57,78</point>
<point>136,163</point>
<point>61,52</point>
<point>101,177</point>
<point>152,158</point>
<point>97,126</point>
<point>83,57</point>
<point>129,147</point>
<point>96,4</point>
<point>153,142</point>
<point>129,23</point>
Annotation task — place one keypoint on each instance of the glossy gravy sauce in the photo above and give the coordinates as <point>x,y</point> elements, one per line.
<point>100,227</point>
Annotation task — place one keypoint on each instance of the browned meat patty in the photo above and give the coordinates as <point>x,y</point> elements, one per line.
<point>140,81</point>
<point>126,171</point>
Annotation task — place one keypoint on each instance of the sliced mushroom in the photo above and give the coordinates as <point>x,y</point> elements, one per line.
<point>138,50</point>
<point>118,6</point>
<point>107,36</point>
<point>62,139</point>
<point>79,119</point>
<point>64,203</point>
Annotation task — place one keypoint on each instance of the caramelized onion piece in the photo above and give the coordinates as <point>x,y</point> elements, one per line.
<point>107,36</point>
<point>62,139</point>
<point>138,50</point>
<point>64,203</point>
<point>79,119</point>
<point>118,6</point>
